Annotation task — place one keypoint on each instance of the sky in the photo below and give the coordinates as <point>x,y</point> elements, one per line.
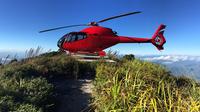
<point>20,21</point>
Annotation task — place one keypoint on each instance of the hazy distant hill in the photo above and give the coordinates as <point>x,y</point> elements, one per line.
<point>11,54</point>
<point>6,56</point>
<point>178,64</point>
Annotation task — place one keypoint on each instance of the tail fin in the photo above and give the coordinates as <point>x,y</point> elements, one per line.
<point>158,38</point>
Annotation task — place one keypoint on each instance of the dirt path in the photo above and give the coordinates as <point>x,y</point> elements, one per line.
<point>73,95</point>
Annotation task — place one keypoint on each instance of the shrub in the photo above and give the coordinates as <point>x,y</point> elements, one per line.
<point>15,91</point>
<point>13,60</point>
<point>128,57</point>
<point>36,91</point>
<point>28,108</point>
<point>6,103</point>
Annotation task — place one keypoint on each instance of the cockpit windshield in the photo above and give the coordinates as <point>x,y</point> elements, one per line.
<point>60,42</point>
<point>71,37</point>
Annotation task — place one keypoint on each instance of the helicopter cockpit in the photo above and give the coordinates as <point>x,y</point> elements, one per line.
<point>71,37</point>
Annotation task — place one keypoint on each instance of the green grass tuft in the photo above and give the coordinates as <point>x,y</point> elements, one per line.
<point>133,86</point>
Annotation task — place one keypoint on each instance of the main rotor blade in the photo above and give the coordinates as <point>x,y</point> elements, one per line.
<point>62,27</point>
<point>130,13</point>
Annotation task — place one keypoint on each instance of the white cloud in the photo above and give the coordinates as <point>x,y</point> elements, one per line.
<point>173,58</point>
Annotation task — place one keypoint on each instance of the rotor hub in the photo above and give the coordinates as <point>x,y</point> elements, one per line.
<point>93,24</point>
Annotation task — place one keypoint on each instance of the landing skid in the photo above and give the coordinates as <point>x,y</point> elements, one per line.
<point>89,57</point>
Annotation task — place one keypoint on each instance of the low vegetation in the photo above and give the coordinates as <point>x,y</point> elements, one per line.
<point>127,85</point>
<point>26,85</point>
<point>133,86</point>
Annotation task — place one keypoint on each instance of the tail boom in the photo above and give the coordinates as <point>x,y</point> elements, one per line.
<point>123,39</point>
<point>158,39</point>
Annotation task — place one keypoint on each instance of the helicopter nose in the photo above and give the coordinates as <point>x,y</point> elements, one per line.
<point>60,46</point>
<point>59,43</point>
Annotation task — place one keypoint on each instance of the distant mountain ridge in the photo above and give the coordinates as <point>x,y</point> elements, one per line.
<point>6,56</point>
<point>178,64</point>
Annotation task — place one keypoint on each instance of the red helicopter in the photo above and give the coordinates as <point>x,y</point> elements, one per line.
<point>94,39</point>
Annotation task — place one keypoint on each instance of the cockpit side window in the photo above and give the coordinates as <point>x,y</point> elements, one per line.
<point>84,36</point>
<point>79,37</point>
<point>75,37</point>
<point>68,38</point>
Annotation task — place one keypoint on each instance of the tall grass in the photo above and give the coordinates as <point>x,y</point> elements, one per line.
<point>1,61</point>
<point>134,86</point>
<point>112,54</point>
<point>33,52</point>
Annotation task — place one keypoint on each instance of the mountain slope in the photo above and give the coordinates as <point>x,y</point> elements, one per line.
<point>54,82</point>
<point>184,65</point>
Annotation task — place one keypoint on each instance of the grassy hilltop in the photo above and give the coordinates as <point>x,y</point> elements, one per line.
<point>127,85</point>
<point>26,85</point>
<point>143,86</point>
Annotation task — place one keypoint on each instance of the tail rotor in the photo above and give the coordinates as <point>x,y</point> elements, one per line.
<point>158,38</point>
